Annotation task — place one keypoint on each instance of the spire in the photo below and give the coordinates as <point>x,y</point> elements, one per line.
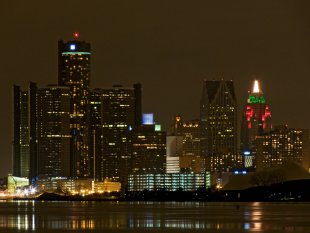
<point>256,87</point>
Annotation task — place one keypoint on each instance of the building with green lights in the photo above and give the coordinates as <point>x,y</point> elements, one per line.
<point>256,121</point>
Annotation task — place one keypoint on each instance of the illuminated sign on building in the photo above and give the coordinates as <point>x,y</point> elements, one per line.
<point>72,47</point>
<point>256,99</point>
<point>157,127</point>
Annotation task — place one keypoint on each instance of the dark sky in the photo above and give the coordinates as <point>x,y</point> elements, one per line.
<point>168,46</point>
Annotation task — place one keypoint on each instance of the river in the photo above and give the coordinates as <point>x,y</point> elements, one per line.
<point>37,216</point>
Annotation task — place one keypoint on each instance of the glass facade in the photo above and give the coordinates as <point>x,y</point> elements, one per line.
<point>168,181</point>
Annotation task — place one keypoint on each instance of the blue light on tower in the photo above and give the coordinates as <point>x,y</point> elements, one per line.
<point>148,119</point>
<point>72,47</point>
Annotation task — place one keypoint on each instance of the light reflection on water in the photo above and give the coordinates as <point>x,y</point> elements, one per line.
<point>249,217</point>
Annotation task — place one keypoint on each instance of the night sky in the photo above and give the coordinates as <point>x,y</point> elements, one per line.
<point>170,47</point>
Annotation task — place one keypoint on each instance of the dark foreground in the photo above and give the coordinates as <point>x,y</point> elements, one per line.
<point>40,216</point>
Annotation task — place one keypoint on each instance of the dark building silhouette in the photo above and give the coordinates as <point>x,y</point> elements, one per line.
<point>41,131</point>
<point>53,131</point>
<point>21,153</point>
<point>256,121</point>
<point>148,149</point>
<point>74,72</point>
<point>95,134</point>
<point>32,109</point>
<point>119,115</point>
<point>218,119</point>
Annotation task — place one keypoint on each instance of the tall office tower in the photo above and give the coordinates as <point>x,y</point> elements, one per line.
<point>119,114</point>
<point>218,117</point>
<point>33,140</point>
<point>21,155</point>
<point>191,137</point>
<point>281,146</point>
<point>25,132</point>
<point>148,149</point>
<point>74,72</point>
<point>53,131</point>
<point>256,121</point>
<point>95,131</point>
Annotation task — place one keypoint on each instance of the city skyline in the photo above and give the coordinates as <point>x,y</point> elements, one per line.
<point>149,53</point>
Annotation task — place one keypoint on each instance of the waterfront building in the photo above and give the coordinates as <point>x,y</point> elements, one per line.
<point>168,181</point>
<point>16,183</point>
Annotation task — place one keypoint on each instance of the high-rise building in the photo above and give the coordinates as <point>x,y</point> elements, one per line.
<point>190,131</point>
<point>280,146</point>
<point>53,131</point>
<point>256,121</point>
<point>95,132</point>
<point>119,115</point>
<point>148,149</point>
<point>218,119</point>
<point>41,131</point>
<point>21,155</point>
<point>32,121</point>
<point>74,72</point>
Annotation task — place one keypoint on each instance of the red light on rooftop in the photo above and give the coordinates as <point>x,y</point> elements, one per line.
<point>76,35</point>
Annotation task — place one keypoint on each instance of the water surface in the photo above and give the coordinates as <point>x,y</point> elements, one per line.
<point>35,216</point>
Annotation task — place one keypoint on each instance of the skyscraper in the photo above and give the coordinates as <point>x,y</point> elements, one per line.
<point>21,155</point>
<point>148,149</point>
<point>119,115</point>
<point>218,118</point>
<point>74,72</point>
<point>95,132</point>
<point>256,121</point>
<point>41,131</point>
<point>53,131</point>
<point>191,137</point>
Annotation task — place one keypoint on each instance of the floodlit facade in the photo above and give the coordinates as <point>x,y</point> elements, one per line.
<point>15,183</point>
<point>77,186</point>
<point>168,181</point>
<point>256,121</point>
